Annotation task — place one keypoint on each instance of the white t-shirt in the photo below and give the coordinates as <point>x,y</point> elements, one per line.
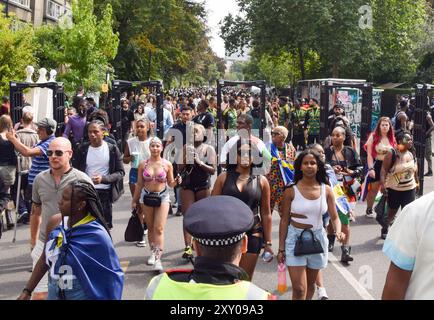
<point>141,147</point>
<point>98,163</point>
<point>410,246</point>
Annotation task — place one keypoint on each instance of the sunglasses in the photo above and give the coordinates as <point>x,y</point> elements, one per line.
<point>57,153</point>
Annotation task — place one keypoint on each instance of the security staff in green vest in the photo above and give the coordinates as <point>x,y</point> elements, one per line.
<point>218,226</point>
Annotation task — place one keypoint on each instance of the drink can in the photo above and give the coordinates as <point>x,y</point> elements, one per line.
<point>267,256</point>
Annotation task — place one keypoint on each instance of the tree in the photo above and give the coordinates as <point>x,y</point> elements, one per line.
<point>89,45</point>
<point>16,43</point>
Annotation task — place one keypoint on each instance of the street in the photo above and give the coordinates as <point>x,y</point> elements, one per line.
<point>363,279</point>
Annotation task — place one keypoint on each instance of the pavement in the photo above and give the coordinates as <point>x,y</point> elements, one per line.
<point>363,279</point>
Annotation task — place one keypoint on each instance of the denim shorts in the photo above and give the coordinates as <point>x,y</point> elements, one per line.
<point>313,261</point>
<point>133,176</point>
<point>165,196</point>
<point>75,292</point>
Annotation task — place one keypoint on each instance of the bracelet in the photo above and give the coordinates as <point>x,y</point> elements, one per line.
<point>25,290</point>
<point>281,251</point>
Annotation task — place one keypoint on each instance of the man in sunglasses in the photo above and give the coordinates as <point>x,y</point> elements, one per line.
<point>46,193</point>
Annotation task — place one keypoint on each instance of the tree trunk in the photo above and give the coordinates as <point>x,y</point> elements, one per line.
<point>335,71</point>
<point>302,65</point>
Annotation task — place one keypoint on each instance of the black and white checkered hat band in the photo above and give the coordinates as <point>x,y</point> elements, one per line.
<point>220,242</point>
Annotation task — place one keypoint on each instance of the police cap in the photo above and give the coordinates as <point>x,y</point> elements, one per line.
<point>218,221</point>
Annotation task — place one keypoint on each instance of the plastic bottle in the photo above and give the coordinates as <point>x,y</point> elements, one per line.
<point>281,278</point>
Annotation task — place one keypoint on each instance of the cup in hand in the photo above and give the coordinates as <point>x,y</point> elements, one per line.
<point>136,159</point>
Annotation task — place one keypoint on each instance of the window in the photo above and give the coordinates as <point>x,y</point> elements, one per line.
<point>54,10</point>
<point>24,3</point>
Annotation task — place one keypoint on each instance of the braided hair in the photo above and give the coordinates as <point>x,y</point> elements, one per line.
<point>86,191</point>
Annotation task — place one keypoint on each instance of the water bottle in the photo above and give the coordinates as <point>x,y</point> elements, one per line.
<point>267,256</point>
<point>281,278</point>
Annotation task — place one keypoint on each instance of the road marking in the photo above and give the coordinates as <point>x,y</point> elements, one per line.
<point>350,278</point>
<point>124,265</point>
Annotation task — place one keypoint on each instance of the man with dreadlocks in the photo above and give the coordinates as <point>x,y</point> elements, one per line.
<point>79,253</point>
<point>46,194</point>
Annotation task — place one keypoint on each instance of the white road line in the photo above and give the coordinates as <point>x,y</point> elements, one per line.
<point>350,278</point>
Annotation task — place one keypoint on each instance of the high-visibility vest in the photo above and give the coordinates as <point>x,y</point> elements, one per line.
<point>162,287</point>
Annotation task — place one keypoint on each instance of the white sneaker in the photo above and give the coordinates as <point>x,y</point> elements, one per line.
<point>145,232</point>
<point>157,265</point>
<point>151,260</point>
<point>322,293</point>
<point>141,244</point>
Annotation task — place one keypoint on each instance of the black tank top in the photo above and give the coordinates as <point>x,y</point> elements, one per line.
<point>7,153</point>
<point>251,194</point>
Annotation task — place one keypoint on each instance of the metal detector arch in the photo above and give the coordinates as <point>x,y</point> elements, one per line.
<point>367,100</point>
<point>16,91</point>
<point>419,129</point>
<point>115,113</point>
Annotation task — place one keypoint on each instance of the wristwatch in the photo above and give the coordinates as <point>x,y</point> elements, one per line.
<point>27,291</point>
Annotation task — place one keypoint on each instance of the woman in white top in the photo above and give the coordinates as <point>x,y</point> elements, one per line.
<point>304,204</point>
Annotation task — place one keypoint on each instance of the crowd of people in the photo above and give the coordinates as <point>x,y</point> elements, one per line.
<point>312,183</point>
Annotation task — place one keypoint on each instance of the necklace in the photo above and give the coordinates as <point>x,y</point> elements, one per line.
<point>243,179</point>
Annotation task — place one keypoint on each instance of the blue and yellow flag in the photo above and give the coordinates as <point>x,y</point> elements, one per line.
<point>342,204</point>
<point>286,168</point>
<point>89,251</point>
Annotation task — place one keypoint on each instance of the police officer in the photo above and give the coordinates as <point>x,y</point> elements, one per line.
<point>218,226</point>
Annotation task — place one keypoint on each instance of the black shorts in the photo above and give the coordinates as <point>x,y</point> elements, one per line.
<point>377,167</point>
<point>196,188</point>
<point>396,199</point>
<point>255,237</point>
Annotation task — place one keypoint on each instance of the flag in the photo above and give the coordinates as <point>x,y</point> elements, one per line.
<point>286,167</point>
<point>89,251</point>
<point>342,204</point>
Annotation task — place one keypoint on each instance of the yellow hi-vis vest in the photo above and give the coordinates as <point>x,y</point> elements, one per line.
<point>162,287</point>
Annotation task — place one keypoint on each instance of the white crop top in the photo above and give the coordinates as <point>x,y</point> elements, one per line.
<point>312,209</point>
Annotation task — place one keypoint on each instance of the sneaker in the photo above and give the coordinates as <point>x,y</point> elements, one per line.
<point>369,213</point>
<point>322,293</point>
<point>23,218</point>
<point>429,174</point>
<point>188,253</point>
<point>151,260</point>
<point>145,232</point>
<point>141,244</point>
<point>179,212</point>
<point>157,265</point>
<point>331,238</point>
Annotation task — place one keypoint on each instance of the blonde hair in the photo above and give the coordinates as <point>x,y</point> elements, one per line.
<point>5,123</point>
<point>155,140</point>
<point>282,130</point>
<point>202,130</point>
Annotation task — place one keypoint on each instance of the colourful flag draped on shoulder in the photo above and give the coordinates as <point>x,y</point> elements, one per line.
<point>286,167</point>
<point>342,204</point>
<point>365,188</point>
<point>89,251</point>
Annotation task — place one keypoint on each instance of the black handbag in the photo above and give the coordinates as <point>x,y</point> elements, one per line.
<point>307,246</point>
<point>152,200</point>
<point>134,230</point>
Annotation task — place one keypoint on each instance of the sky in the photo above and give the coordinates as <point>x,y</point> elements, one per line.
<point>217,10</point>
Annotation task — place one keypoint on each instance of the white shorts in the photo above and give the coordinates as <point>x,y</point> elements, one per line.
<point>36,254</point>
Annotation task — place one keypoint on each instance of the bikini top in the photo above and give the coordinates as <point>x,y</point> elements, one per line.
<point>161,177</point>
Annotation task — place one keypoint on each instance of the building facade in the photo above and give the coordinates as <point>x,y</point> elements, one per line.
<point>38,12</point>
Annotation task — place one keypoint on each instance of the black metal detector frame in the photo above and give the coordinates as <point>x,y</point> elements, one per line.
<point>16,91</point>
<point>419,129</point>
<point>115,111</point>
<point>367,100</point>
<point>261,84</point>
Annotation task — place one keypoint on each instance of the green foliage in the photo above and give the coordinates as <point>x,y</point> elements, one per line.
<point>163,39</point>
<point>16,43</point>
<point>324,38</point>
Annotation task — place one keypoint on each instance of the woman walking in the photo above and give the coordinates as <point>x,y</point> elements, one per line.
<point>154,176</point>
<point>378,146</point>
<point>240,182</point>
<point>197,183</point>
<point>136,150</point>
<point>8,167</point>
<point>399,178</point>
<point>282,166</point>
<point>304,205</point>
